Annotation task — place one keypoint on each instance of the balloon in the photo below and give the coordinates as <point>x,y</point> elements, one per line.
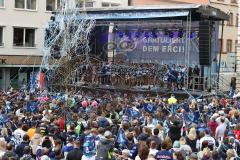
<point>84,103</point>
<point>95,104</point>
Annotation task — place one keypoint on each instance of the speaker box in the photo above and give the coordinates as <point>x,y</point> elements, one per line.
<point>205,42</point>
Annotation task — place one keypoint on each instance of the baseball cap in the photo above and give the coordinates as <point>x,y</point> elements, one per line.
<point>108,134</point>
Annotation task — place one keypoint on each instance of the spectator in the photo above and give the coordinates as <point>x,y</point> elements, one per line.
<point>2,147</point>
<point>220,130</point>
<point>212,124</point>
<point>191,139</point>
<point>105,147</point>
<point>210,139</point>
<point>205,153</point>
<point>153,148</point>
<point>143,152</point>
<point>164,153</point>
<point>27,153</point>
<point>155,137</point>
<point>22,145</point>
<point>10,152</point>
<point>36,141</point>
<point>184,147</point>
<point>45,152</point>
<point>32,130</point>
<point>76,153</point>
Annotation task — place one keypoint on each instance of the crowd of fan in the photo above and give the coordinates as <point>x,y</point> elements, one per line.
<point>90,126</point>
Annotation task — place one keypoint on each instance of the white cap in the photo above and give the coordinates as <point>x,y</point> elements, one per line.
<point>107,134</point>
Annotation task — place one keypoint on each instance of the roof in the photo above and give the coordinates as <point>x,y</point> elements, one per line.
<point>173,11</point>
<point>159,2</point>
<point>147,7</point>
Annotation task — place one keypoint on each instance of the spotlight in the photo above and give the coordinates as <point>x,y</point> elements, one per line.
<point>146,35</point>
<point>120,34</point>
<point>180,33</point>
<point>137,34</point>
<point>171,34</point>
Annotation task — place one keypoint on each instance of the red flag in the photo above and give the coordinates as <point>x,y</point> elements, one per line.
<point>41,81</point>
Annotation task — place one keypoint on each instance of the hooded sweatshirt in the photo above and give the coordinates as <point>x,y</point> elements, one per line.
<point>104,148</point>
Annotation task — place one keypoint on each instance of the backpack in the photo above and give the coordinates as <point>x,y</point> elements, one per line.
<point>89,146</point>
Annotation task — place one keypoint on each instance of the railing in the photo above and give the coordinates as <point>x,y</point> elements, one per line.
<point>197,83</point>
<point>222,83</point>
<point>222,86</point>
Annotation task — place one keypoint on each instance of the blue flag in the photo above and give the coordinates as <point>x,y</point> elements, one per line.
<point>121,140</point>
<point>133,113</point>
<point>32,106</point>
<point>196,116</point>
<point>149,108</point>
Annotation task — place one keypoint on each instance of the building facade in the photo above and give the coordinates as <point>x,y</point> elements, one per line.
<point>22,24</point>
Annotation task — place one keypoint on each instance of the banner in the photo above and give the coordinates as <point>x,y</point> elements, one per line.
<point>163,49</point>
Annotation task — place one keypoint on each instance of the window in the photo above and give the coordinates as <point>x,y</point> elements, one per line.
<point>31,4</point>
<point>50,5</point>
<point>237,19</point>
<point>115,5</point>
<point>1,3</point>
<point>79,4</point>
<point>105,4</point>
<point>19,4</point>
<point>230,21</point>
<point>110,4</point>
<point>89,4</point>
<point>26,4</point>
<point>229,46</point>
<point>24,37</point>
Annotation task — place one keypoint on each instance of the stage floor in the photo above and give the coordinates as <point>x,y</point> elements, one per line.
<point>143,90</point>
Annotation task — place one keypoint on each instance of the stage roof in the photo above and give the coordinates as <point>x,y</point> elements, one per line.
<point>198,12</point>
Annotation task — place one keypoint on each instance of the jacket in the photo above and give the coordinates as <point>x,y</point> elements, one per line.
<point>104,149</point>
<point>20,148</point>
<point>75,154</point>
